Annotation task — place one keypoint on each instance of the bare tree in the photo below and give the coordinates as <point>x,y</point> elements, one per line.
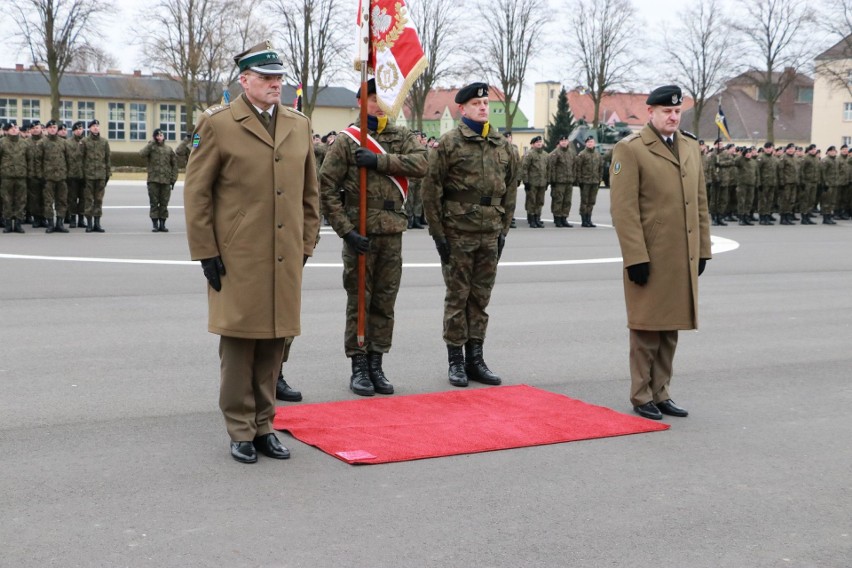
<point>93,60</point>
<point>53,33</point>
<point>510,38</point>
<point>835,64</point>
<point>602,46</point>
<point>437,25</point>
<point>704,57</point>
<point>313,33</point>
<point>780,33</point>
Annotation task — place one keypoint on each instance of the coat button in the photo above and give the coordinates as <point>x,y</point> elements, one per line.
<point>281,258</point>
<point>280,225</point>
<point>277,158</point>
<point>278,191</point>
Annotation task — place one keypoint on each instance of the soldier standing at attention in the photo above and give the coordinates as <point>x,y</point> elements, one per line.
<point>746,176</point>
<point>162,175</point>
<point>52,157</point>
<point>252,219</point>
<point>75,182</point>
<point>35,183</point>
<point>14,168</point>
<point>766,184</point>
<point>842,200</point>
<point>183,150</point>
<point>561,173</point>
<point>659,209</point>
<point>832,177</point>
<point>810,178</point>
<point>587,175</point>
<point>787,181</point>
<point>469,196</point>
<point>97,171</point>
<point>534,175</point>
<point>392,154</point>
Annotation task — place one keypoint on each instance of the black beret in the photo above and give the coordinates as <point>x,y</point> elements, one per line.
<point>535,139</point>
<point>35,123</point>
<point>78,124</point>
<point>371,89</point>
<point>768,145</point>
<point>717,141</point>
<point>667,95</point>
<point>472,91</point>
<point>790,145</point>
<point>93,122</point>
<point>50,123</point>
<point>701,142</point>
<point>8,125</point>
<point>830,148</point>
<point>844,146</point>
<point>62,126</point>
<point>507,133</point>
<point>25,128</point>
<point>589,138</point>
<point>157,131</point>
<point>563,137</point>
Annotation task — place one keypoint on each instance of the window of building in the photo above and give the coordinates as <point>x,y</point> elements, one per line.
<point>30,110</point>
<point>86,111</point>
<point>117,127</point>
<point>8,110</point>
<point>138,121</point>
<point>168,121</point>
<point>847,111</point>
<point>846,140</point>
<point>805,95</point>
<point>183,125</point>
<point>66,112</point>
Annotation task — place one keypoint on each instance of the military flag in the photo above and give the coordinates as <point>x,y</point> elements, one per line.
<point>297,102</point>
<point>226,96</point>
<point>721,122</point>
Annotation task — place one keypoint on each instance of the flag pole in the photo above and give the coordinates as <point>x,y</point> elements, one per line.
<point>364,46</point>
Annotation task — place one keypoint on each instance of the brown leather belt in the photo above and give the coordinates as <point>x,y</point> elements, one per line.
<point>470,197</point>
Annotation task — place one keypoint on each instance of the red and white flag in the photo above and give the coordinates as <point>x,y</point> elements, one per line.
<point>388,42</point>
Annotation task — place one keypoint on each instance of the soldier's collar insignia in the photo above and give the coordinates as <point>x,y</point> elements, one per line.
<point>196,140</point>
<point>616,168</point>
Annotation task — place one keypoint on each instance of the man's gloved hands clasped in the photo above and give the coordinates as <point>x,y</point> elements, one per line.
<point>213,270</point>
<point>365,158</point>
<point>702,264</point>
<point>501,242</point>
<point>638,273</point>
<point>358,243</point>
<point>443,246</point>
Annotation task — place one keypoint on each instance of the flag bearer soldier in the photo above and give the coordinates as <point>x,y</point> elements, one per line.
<point>469,196</point>
<point>75,182</point>
<point>96,170</point>
<point>14,169</point>
<point>52,157</point>
<point>393,154</point>
<point>252,217</point>
<point>659,209</point>
<point>561,173</point>
<point>162,175</point>
<point>535,178</point>
<point>587,175</point>
<point>832,176</point>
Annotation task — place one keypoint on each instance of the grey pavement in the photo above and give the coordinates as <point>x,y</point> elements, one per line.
<point>113,451</point>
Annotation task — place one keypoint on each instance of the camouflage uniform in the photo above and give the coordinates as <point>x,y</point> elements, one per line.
<point>162,175</point>
<point>534,173</point>
<point>709,161</point>
<point>810,179</point>
<point>35,183</point>
<point>96,171</point>
<point>746,176</point>
<point>52,157</point>
<point>14,169</point>
<point>767,180</point>
<point>76,183</point>
<point>587,174</point>
<point>843,201</point>
<point>787,180</point>
<point>183,150</point>
<point>727,178</point>
<point>468,198</point>
<point>833,177</point>
<point>561,168</point>
<point>386,221</point>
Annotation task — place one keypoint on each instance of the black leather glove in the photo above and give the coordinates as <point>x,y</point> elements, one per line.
<point>638,273</point>
<point>527,186</point>
<point>213,269</point>
<point>501,242</point>
<point>358,243</point>
<point>443,246</point>
<point>365,158</point>
<point>172,188</point>
<point>702,264</point>
<point>304,259</point>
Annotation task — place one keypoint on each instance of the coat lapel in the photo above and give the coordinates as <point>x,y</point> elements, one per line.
<point>284,125</point>
<point>248,120</point>
<point>657,146</point>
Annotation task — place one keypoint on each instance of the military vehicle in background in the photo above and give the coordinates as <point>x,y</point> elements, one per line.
<point>605,137</point>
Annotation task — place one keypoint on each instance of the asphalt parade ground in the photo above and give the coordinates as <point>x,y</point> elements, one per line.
<point>113,451</point>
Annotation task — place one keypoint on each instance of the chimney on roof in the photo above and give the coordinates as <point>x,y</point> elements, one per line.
<point>19,66</point>
<point>137,72</point>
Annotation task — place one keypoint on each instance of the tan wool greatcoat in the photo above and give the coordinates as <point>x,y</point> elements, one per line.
<point>659,209</point>
<point>254,201</point>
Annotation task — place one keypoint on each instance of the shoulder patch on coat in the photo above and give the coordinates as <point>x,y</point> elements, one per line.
<point>616,168</point>
<point>689,134</point>
<point>196,140</point>
<point>215,109</point>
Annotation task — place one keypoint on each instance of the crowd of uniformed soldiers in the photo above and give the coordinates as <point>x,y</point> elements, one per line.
<point>748,184</point>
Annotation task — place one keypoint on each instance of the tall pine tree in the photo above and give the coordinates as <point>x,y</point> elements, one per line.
<point>562,122</point>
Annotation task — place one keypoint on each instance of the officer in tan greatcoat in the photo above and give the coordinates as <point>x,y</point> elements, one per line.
<point>659,210</point>
<point>252,219</point>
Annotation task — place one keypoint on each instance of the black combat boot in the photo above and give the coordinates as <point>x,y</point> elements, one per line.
<point>456,373</point>
<point>2,222</point>
<point>762,220</point>
<point>794,217</point>
<point>557,221</point>
<point>89,226</point>
<point>381,384</point>
<point>81,221</point>
<point>60,225</point>
<point>72,221</point>
<point>585,223</point>
<point>589,220</point>
<point>10,225</point>
<point>721,219</point>
<point>411,221</point>
<point>163,226</point>
<point>48,224</point>
<point>807,220</point>
<point>423,221</point>
<point>475,366</point>
<point>28,220</point>
<point>18,227</point>
<point>565,222</point>
<point>747,218</point>
<point>714,217</point>
<point>97,228</point>
<point>156,225</point>
<point>530,221</point>
<point>360,381</point>
<point>285,392</point>
<point>538,223</point>
<point>827,220</point>
<point>415,222</point>
<point>742,221</point>
<point>785,219</point>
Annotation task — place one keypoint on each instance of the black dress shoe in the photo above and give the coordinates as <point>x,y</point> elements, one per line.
<point>284,392</point>
<point>269,446</point>
<point>648,410</point>
<point>670,408</point>
<point>243,452</point>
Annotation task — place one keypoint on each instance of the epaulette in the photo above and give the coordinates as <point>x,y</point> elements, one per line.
<point>215,109</point>
<point>630,137</point>
<point>689,134</point>
<point>294,111</point>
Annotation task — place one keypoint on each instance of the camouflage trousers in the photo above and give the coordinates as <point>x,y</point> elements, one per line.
<point>588,197</point>
<point>55,193</point>
<point>469,278</point>
<point>76,199</point>
<point>844,197</point>
<point>719,201</point>
<point>535,199</point>
<point>560,199</point>
<point>14,193</point>
<point>94,197</point>
<point>35,196</point>
<point>384,271</point>
<point>745,198</point>
<point>765,199</point>
<point>807,197</point>
<point>733,198</point>
<point>786,197</point>
<point>827,201</point>
<point>414,202</point>
<point>158,197</point>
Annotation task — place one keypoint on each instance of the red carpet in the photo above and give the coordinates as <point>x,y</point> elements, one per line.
<point>402,428</point>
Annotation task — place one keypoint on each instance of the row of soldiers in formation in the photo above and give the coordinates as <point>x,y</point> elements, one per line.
<point>788,180</point>
<point>55,179</point>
